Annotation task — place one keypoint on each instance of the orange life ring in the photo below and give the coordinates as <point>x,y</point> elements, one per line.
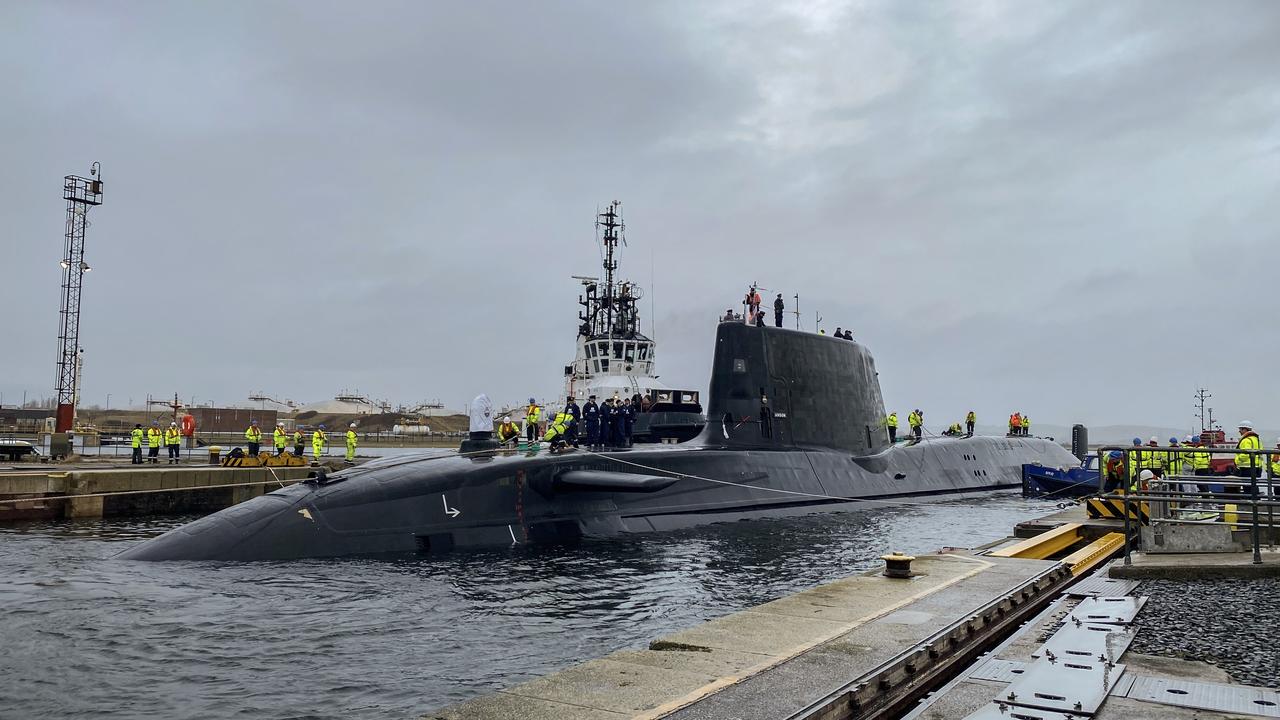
<point>188,425</point>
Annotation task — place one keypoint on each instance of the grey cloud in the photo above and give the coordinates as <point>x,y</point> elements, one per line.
<point>395,197</point>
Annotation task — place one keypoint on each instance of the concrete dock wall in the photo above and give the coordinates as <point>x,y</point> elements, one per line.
<point>134,491</point>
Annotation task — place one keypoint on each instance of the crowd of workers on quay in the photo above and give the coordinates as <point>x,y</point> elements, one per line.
<point>282,440</point>
<point>1146,464</point>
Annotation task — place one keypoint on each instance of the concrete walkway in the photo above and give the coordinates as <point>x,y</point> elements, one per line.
<point>768,661</point>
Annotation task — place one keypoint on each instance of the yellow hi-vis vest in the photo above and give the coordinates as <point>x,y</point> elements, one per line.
<point>893,420</point>
<point>1249,442</point>
<point>532,413</point>
<point>1026,421</point>
<point>1151,459</point>
<point>971,418</point>
<point>556,428</point>
<point>153,437</point>
<point>351,438</point>
<point>253,434</point>
<point>297,437</point>
<point>171,436</point>
<point>1199,459</point>
<point>279,437</point>
<point>1173,462</point>
<point>317,439</point>
<point>506,431</point>
<point>1275,465</point>
<point>135,437</point>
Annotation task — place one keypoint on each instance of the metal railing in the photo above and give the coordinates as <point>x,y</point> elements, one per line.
<point>1170,502</point>
<point>117,446</point>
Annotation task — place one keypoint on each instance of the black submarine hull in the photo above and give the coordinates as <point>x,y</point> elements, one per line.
<point>825,448</point>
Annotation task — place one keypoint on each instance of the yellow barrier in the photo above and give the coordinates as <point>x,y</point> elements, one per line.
<point>1114,509</point>
<point>1084,559</point>
<point>1044,545</point>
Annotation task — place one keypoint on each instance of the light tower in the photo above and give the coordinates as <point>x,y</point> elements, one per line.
<point>80,193</point>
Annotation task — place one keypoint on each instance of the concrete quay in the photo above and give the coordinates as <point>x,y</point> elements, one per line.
<point>85,493</point>
<point>952,641</point>
<point>867,642</point>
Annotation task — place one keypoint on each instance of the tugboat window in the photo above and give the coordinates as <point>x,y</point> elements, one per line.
<point>644,351</point>
<point>591,351</point>
<point>617,351</point>
<point>631,352</point>
<point>604,365</point>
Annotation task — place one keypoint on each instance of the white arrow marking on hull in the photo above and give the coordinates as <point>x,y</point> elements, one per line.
<point>451,512</point>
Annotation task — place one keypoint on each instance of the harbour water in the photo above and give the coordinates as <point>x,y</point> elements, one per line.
<point>89,636</point>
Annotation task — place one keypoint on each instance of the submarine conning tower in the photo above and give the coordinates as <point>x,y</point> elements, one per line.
<point>823,392</point>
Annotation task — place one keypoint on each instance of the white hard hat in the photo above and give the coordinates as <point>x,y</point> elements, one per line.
<point>1146,475</point>
<point>352,425</point>
<point>1154,439</point>
<point>506,418</point>
<point>1189,439</point>
<point>173,424</point>
<point>1245,424</point>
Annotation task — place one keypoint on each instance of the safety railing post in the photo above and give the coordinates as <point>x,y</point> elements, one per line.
<point>1253,493</point>
<point>1128,560</point>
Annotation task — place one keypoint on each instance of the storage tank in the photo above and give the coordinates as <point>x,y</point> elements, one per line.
<point>411,429</point>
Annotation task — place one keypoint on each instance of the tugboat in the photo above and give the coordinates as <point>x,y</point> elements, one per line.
<point>615,360</point>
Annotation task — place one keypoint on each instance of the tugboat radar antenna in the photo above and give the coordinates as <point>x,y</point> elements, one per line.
<point>1201,396</point>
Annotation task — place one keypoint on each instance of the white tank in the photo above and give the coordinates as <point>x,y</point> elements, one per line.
<point>411,429</point>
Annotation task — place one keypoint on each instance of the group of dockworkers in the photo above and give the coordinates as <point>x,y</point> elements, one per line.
<point>171,438</point>
<point>607,424</point>
<point>915,420</point>
<point>154,437</point>
<point>280,439</point>
<point>1190,457</point>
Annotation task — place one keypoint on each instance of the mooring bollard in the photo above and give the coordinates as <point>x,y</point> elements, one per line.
<point>897,565</point>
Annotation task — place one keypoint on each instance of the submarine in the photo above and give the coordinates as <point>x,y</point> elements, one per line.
<point>822,445</point>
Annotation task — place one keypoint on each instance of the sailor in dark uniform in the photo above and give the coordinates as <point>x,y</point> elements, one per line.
<point>606,423</point>
<point>591,421</point>
<point>625,417</point>
<point>575,413</point>
<point>766,418</point>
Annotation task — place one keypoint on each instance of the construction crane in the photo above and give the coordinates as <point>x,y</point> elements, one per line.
<point>81,194</point>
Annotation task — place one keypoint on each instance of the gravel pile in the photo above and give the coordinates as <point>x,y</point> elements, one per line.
<point>1233,624</point>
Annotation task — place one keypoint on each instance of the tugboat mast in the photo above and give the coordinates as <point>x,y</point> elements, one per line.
<point>609,311</point>
<point>611,221</point>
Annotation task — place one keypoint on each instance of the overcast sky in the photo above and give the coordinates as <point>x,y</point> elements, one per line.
<point>386,197</point>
